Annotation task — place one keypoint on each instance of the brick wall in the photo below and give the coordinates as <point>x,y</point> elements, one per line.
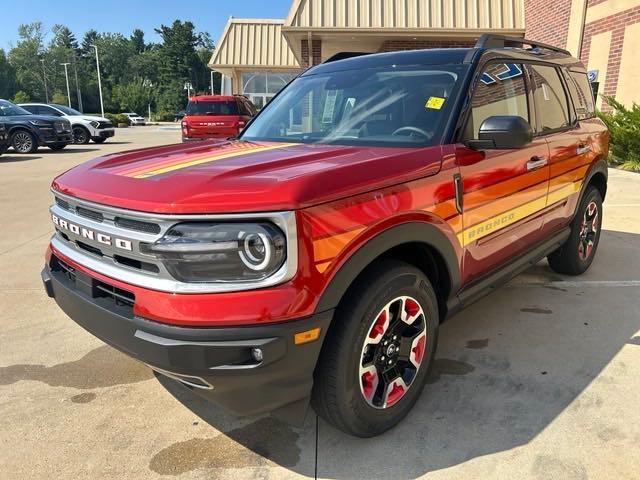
<point>616,24</point>
<point>394,45</point>
<point>548,21</point>
<point>316,46</point>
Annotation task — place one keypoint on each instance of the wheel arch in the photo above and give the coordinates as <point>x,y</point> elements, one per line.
<point>597,176</point>
<point>420,244</point>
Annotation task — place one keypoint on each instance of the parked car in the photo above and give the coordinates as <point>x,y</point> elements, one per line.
<point>216,116</point>
<point>135,119</point>
<point>179,115</point>
<point>315,256</point>
<point>85,127</point>
<point>28,131</point>
<point>4,139</point>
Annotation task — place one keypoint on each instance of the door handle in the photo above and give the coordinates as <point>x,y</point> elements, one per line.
<point>536,162</point>
<point>583,148</point>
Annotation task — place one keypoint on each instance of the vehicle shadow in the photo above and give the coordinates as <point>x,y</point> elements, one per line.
<point>505,369</point>
<point>69,149</point>
<point>10,158</point>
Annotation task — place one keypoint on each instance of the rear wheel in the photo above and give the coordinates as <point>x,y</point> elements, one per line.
<point>374,363</point>
<point>24,142</point>
<point>80,135</point>
<point>575,256</point>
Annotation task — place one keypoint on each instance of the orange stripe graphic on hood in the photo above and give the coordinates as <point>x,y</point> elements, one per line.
<point>169,165</point>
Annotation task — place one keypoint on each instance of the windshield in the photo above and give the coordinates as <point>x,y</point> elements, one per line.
<point>67,110</point>
<point>8,109</point>
<point>392,105</point>
<point>213,107</point>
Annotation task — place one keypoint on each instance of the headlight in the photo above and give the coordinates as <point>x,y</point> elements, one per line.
<point>95,124</point>
<point>40,123</point>
<point>221,252</point>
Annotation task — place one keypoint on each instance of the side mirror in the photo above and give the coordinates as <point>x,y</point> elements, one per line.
<point>502,132</point>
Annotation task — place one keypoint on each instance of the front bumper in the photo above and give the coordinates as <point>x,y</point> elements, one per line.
<point>216,363</point>
<point>107,133</point>
<point>51,137</point>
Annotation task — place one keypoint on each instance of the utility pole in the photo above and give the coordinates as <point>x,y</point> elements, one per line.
<point>212,82</point>
<point>78,92</point>
<point>99,80</point>
<point>44,75</point>
<point>66,75</point>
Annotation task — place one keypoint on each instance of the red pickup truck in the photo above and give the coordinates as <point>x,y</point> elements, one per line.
<point>314,257</point>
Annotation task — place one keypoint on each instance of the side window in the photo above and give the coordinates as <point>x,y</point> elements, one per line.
<point>550,97</point>
<point>500,91</point>
<point>582,94</point>
<point>44,110</point>
<point>31,109</point>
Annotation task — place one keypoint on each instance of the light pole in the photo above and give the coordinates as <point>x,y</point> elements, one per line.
<point>148,84</point>
<point>44,75</point>
<point>66,75</point>
<point>78,92</point>
<point>187,87</point>
<point>211,82</point>
<point>99,81</point>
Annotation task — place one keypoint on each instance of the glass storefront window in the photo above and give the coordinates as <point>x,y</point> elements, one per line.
<point>260,87</point>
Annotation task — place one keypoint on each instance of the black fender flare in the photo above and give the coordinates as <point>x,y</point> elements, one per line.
<point>599,167</point>
<point>410,232</point>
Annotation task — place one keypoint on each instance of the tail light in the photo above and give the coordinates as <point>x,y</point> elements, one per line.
<point>185,128</point>
<point>241,123</point>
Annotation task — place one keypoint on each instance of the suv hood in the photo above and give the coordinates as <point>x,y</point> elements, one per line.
<point>240,176</point>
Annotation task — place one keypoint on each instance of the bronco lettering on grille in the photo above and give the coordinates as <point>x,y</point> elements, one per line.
<point>84,232</point>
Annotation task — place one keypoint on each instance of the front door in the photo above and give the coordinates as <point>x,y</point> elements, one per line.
<point>504,191</point>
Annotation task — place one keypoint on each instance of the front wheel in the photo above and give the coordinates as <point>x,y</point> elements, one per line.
<point>80,135</point>
<point>375,359</point>
<point>24,142</point>
<point>575,256</point>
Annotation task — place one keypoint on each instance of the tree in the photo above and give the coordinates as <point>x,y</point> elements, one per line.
<point>133,96</point>
<point>7,77</point>
<point>25,59</point>
<point>137,41</point>
<point>21,97</point>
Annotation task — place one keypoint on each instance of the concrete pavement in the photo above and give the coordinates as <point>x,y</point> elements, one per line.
<point>538,380</point>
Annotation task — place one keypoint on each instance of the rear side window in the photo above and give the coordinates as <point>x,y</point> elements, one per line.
<point>219,107</point>
<point>550,97</point>
<point>500,91</point>
<point>582,94</point>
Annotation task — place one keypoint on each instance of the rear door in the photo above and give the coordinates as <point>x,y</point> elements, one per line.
<point>569,142</point>
<point>503,190</point>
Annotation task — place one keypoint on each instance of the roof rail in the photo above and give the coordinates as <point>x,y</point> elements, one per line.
<point>343,56</point>
<point>489,40</point>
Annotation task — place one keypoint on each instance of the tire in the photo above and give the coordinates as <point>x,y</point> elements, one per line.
<point>80,135</point>
<point>24,141</point>
<point>99,140</point>
<point>57,146</point>
<point>575,256</point>
<point>349,389</point>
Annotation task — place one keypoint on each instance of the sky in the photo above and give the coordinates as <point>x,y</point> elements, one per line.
<point>123,16</point>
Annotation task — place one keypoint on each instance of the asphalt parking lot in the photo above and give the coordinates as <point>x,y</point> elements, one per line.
<point>538,380</point>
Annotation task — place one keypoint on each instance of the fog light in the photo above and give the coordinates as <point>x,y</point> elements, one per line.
<point>256,353</point>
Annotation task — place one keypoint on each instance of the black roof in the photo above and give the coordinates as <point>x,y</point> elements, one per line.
<point>513,47</point>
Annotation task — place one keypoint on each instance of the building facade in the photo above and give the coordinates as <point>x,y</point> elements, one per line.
<point>257,57</point>
<point>605,34</point>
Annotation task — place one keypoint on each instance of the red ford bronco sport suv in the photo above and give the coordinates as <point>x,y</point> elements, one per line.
<point>313,258</point>
<point>216,116</point>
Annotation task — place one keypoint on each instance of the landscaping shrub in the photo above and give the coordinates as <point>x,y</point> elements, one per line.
<point>624,131</point>
<point>117,118</point>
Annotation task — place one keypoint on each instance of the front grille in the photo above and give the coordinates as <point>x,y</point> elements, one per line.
<point>96,288</point>
<point>62,127</point>
<point>104,124</point>
<point>137,225</point>
<point>92,214</point>
<point>122,298</point>
<point>63,204</point>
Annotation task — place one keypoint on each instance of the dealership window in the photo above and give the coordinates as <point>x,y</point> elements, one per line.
<point>260,87</point>
<point>500,91</point>
<point>550,97</point>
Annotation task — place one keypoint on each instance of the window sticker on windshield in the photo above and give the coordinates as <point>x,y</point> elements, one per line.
<point>435,103</point>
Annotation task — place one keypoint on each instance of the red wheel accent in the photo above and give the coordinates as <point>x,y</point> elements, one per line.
<point>588,231</point>
<point>393,351</point>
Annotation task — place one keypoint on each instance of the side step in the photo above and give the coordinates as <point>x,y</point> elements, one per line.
<point>487,284</point>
